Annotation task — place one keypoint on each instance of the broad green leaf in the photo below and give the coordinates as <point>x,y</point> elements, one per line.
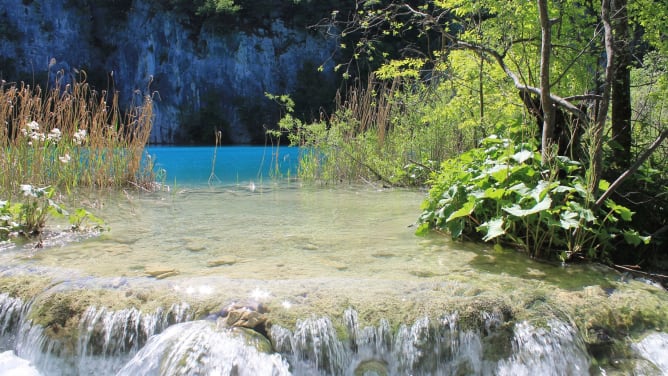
<point>492,228</point>
<point>522,156</point>
<point>569,219</point>
<point>464,211</point>
<point>456,228</point>
<point>635,239</point>
<point>520,188</point>
<point>582,212</point>
<point>539,191</point>
<point>517,210</point>
<point>624,212</point>
<point>603,185</point>
<point>494,193</point>
<point>562,189</point>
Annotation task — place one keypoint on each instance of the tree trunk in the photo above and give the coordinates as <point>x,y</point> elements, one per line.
<point>596,167</point>
<point>545,99</point>
<point>621,87</point>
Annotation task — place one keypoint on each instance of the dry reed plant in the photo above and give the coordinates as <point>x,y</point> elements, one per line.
<point>370,107</point>
<point>71,136</point>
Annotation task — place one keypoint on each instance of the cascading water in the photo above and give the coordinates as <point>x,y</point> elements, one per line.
<point>432,347</point>
<point>106,339</point>
<point>204,348</point>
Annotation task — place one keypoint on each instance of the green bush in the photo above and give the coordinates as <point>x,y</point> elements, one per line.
<point>499,192</point>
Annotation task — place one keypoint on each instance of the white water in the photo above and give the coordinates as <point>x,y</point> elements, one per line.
<point>202,348</point>
<point>654,348</point>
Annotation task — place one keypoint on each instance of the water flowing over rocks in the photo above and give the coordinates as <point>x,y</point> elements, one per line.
<point>420,306</point>
<point>484,338</point>
<point>202,348</point>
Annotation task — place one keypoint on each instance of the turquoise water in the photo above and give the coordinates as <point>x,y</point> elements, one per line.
<point>233,164</point>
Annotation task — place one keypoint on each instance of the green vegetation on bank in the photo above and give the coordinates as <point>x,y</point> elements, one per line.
<point>54,142</point>
<point>578,125</point>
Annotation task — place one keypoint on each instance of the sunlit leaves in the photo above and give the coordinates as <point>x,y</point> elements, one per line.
<point>517,210</point>
<point>400,68</point>
<point>497,193</point>
<point>492,229</point>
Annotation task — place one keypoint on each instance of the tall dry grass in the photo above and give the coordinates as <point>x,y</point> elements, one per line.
<point>71,136</point>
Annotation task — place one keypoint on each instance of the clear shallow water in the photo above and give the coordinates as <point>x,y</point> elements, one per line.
<point>308,254</point>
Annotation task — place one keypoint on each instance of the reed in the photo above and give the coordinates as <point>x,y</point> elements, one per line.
<point>72,136</point>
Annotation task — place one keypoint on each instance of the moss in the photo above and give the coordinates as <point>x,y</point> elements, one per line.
<point>23,287</point>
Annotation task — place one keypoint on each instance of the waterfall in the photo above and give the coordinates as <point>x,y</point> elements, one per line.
<point>440,346</point>
<point>106,339</point>
<point>167,342</point>
<point>653,348</point>
<point>555,349</point>
<point>12,310</point>
<point>204,348</point>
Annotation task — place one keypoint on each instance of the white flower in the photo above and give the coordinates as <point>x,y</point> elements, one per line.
<point>54,135</point>
<point>28,190</point>
<point>33,126</point>
<point>79,136</point>
<point>36,136</point>
<point>65,158</point>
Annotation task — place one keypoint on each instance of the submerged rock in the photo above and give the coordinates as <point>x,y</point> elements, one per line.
<point>160,271</point>
<point>225,260</point>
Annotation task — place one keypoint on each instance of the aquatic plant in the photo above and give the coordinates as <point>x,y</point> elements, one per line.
<point>390,132</point>
<point>62,139</point>
<point>28,217</point>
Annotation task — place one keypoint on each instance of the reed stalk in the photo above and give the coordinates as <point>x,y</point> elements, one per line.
<point>71,136</point>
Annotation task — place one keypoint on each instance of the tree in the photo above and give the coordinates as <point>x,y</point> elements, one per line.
<point>555,52</point>
<point>621,86</point>
<point>568,59</point>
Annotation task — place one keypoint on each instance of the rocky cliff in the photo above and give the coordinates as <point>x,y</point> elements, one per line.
<point>205,75</point>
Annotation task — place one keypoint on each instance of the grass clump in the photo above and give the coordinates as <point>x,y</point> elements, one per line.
<point>71,136</point>
<point>385,131</point>
<point>61,139</point>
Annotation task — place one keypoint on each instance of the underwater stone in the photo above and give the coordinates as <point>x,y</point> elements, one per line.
<point>225,260</point>
<point>160,271</point>
<point>371,368</point>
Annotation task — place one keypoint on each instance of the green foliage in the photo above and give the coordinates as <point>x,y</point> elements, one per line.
<point>499,192</point>
<point>374,136</point>
<point>28,218</point>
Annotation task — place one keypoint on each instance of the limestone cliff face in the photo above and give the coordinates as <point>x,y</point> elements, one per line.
<point>201,78</point>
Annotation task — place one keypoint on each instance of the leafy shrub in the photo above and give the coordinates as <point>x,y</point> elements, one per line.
<point>27,218</point>
<point>500,193</point>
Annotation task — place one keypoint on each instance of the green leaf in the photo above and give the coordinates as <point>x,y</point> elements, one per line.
<point>582,212</point>
<point>464,211</point>
<point>494,193</point>
<point>520,188</point>
<point>603,185</point>
<point>635,239</point>
<point>456,228</point>
<point>624,212</point>
<point>522,156</point>
<point>492,228</point>
<point>569,219</point>
<point>517,210</point>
